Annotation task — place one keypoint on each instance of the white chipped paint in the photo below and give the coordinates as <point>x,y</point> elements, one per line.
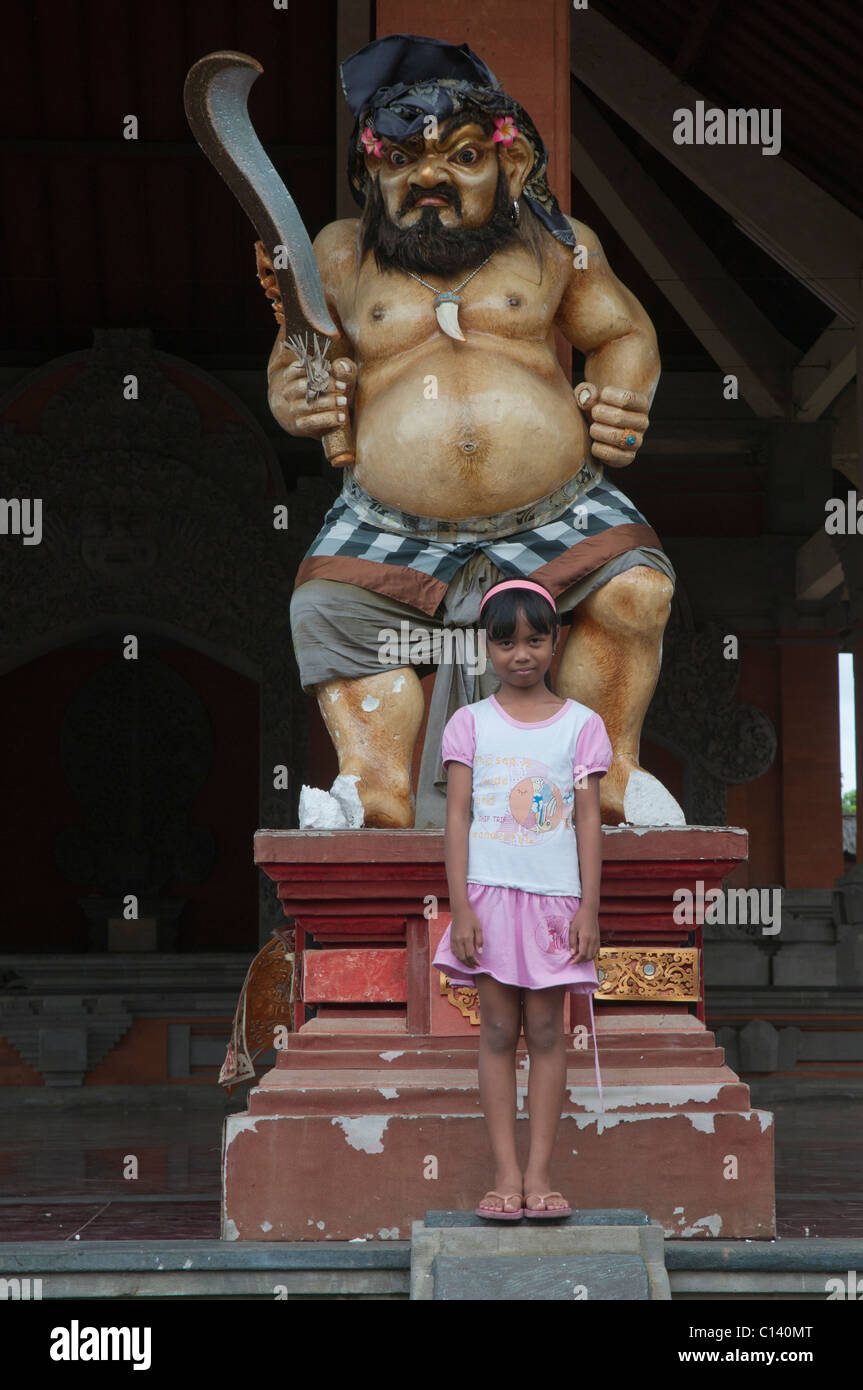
<point>388,1233</point>
<point>604,1122</point>
<point>712,1223</point>
<point>358,1240</point>
<point>458,1115</point>
<point>388,1092</point>
<point>334,695</point>
<point>238,1124</point>
<point>266,1225</point>
<point>398,684</point>
<point>363,1132</point>
<point>676,1210</point>
<point>765,1116</point>
<point>646,1095</point>
<point>320,1225</point>
<point>390,1056</point>
<point>704,1122</point>
<point>231,1232</point>
<point>187,1264</point>
<point>369,703</point>
<point>520,1097</point>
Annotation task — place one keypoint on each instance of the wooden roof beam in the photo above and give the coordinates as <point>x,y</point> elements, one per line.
<point>817,239</point>
<point>824,370</point>
<point>738,337</point>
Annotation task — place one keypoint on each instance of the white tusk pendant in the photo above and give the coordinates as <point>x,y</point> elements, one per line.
<point>446,308</point>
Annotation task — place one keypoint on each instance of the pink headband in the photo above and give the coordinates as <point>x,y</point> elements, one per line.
<point>516,584</point>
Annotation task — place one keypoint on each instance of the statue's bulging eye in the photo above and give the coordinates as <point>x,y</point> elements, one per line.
<point>468,156</point>
<point>398,158</point>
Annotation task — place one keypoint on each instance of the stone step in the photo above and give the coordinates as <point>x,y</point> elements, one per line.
<point>622,1260</point>
<point>542,1277</point>
<point>610,1032</point>
<point>451,1091</point>
<point>292,1060</point>
<point>616,1017</point>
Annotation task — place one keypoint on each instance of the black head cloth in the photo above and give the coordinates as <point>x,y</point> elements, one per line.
<point>394,83</point>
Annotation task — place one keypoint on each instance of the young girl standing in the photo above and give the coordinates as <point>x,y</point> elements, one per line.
<point>524,897</point>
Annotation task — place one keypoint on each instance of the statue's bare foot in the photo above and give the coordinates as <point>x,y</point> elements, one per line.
<point>629,793</point>
<point>385,807</point>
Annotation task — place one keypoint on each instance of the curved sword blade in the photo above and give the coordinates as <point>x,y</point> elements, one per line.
<point>215,96</point>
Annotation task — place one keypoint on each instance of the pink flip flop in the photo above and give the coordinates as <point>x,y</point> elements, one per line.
<point>491,1215</point>
<point>547,1212</point>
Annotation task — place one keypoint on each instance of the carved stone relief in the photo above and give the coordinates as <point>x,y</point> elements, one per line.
<point>695,714</point>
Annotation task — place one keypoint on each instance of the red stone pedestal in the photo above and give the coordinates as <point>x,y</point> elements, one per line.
<point>371,1116</point>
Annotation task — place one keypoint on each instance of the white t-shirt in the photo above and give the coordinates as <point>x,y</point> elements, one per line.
<point>522,835</point>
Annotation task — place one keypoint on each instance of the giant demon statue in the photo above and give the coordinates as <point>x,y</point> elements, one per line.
<point>475,458</point>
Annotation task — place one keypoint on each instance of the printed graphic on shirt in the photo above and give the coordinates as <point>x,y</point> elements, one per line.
<point>536,804</point>
<point>552,935</point>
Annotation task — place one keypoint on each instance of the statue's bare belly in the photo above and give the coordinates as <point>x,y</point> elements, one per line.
<point>502,431</point>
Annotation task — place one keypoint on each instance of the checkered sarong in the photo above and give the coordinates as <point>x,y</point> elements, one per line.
<point>362,541</point>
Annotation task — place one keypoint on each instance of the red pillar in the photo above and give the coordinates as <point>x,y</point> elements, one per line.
<point>858,740</point>
<point>527,48</point>
<point>811,802</point>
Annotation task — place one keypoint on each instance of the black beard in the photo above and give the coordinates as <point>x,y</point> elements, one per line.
<point>430,246</point>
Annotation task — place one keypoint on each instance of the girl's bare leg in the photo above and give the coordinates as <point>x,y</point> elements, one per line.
<point>500,1013</point>
<point>546,1045</point>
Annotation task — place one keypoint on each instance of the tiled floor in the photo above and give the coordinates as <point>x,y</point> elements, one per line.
<point>61,1174</point>
<point>819,1167</point>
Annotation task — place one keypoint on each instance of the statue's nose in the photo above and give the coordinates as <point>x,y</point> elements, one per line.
<point>431,171</point>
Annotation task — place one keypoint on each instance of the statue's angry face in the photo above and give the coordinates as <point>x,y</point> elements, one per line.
<point>443,202</point>
<point>455,174</point>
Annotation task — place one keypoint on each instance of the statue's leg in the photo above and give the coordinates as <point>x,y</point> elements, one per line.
<point>373,710</point>
<point>611,663</point>
<point>373,722</point>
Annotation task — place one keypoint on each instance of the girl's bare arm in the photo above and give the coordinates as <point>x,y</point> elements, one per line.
<point>588,835</point>
<point>459,793</point>
<point>465,928</point>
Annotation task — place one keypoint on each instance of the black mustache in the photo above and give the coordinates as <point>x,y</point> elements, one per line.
<point>442,191</point>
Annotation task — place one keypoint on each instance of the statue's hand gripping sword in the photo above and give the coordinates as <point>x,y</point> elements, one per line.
<point>215,97</point>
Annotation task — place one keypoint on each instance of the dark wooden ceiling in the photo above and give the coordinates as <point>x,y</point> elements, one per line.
<point>96,229</point>
<point>802,56</point>
<point>99,230</point>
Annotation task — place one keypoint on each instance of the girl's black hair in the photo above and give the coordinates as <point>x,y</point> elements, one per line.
<point>499,617</point>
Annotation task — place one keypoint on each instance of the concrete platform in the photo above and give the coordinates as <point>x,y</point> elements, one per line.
<point>117,1269</point>
<point>369,1126</point>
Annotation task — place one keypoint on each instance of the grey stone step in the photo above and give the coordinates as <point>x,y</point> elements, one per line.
<point>540,1277</point>
<point>617,1256</point>
<point>599,1216</point>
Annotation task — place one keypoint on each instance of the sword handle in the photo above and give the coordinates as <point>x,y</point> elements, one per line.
<point>339,446</point>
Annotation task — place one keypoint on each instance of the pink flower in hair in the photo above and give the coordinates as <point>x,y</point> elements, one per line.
<point>372,143</point>
<point>507,129</point>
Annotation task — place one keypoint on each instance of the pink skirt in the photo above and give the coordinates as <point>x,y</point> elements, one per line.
<point>525,943</point>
